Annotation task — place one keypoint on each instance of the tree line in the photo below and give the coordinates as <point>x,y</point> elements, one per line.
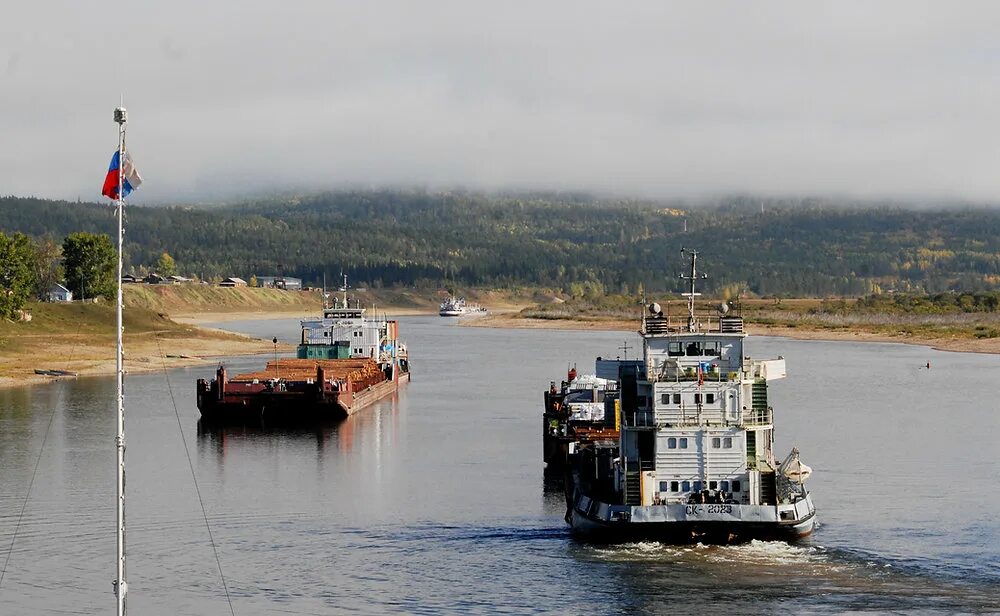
<point>30,268</point>
<point>572,243</point>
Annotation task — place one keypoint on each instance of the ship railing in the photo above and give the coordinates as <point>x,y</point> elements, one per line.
<point>691,374</point>
<point>758,417</point>
<point>642,418</point>
<point>678,324</point>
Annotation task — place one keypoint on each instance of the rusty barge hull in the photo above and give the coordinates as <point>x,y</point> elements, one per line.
<point>294,391</point>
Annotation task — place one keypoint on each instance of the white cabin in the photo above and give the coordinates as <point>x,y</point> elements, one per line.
<point>701,420</point>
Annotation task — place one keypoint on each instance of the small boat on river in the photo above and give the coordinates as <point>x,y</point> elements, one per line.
<point>458,307</point>
<point>678,445</point>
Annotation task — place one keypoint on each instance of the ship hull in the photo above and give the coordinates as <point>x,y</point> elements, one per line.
<point>304,404</point>
<point>683,524</point>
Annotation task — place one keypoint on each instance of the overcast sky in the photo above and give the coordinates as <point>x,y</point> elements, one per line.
<point>659,99</point>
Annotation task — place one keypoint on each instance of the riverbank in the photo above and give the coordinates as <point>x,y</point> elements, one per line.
<point>962,344</point>
<point>80,338</point>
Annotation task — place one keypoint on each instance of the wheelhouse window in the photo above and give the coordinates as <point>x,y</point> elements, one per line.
<point>683,442</point>
<point>709,398</point>
<point>713,485</point>
<point>693,349</point>
<point>665,399</point>
<point>677,398</point>
<point>671,443</point>
<point>675,349</point>
<point>697,398</point>
<point>711,348</point>
<point>724,486</point>
<point>727,443</point>
<point>736,486</point>
<point>664,486</point>
<point>674,486</point>
<point>716,442</point>
<point>685,486</point>
<point>697,486</point>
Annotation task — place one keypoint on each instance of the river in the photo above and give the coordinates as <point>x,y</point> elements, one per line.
<point>436,501</point>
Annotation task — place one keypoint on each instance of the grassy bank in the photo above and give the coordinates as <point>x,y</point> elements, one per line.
<point>80,337</point>
<point>199,298</point>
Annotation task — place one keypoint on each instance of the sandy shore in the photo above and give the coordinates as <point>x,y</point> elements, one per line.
<point>963,345</point>
<point>143,353</point>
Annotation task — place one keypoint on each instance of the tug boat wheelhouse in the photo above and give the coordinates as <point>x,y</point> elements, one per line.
<point>686,449</point>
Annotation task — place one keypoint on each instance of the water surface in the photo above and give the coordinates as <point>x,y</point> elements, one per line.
<point>436,501</point>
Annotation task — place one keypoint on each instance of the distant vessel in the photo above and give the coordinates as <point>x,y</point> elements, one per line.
<point>345,361</point>
<point>458,307</point>
<point>678,445</point>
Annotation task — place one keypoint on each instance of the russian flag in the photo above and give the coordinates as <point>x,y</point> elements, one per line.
<point>130,181</point>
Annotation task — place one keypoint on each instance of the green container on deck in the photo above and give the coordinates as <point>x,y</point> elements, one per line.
<point>337,350</point>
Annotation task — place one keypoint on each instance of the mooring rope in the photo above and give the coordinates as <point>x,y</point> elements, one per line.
<point>31,483</point>
<point>194,477</point>
<point>24,505</point>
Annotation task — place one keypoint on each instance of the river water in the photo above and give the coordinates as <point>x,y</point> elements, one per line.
<point>436,501</point>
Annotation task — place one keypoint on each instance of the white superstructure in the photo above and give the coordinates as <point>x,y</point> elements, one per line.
<point>695,449</point>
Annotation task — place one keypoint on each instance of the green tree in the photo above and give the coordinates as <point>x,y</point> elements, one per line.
<point>47,265</point>
<point>17,277</point>
<point>89,260</point>
<point>166,266</point>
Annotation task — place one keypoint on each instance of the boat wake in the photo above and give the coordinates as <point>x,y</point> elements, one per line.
<point>848,578</point>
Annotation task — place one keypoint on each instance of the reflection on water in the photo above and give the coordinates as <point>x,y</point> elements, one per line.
<point>436,501</point>
<point>375,430</point>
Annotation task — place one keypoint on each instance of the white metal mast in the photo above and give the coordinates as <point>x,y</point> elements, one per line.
<point>120,584</point>
<point>692,323</point>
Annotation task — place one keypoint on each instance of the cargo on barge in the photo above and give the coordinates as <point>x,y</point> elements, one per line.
<point>345,361</point>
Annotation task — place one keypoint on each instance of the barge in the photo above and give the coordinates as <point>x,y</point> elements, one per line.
<point>684,451</point>
<point>345,361</point>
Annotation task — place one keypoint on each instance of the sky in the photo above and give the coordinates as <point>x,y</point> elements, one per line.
<point>650,99</point>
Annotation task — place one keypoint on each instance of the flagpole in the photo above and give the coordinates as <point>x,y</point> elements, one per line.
<point>121,586</point>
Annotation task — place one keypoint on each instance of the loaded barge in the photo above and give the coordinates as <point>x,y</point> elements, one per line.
<point>345,362</point>
<point>684,448</point>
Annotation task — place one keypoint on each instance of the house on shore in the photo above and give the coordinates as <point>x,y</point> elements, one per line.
<point>58,293</point>
<point>233,282</point>
<point>280,282</point>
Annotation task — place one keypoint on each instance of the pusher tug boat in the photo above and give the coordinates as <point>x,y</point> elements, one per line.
<point>685,451</point>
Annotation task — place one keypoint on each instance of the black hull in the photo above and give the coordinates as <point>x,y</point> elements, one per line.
<point>273,411</point>
<point>686,533</point>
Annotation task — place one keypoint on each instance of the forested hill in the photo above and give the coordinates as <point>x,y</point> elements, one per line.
<point>572,243</point>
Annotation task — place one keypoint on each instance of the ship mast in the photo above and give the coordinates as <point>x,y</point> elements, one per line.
<point>692,324</point>
<point>120,584</point>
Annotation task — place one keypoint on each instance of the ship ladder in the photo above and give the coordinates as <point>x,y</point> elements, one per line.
<point>633,493</point>
<point>768,491</point>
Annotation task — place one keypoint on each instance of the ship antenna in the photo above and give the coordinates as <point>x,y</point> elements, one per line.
<point>692,324</point>
<point>120,584</point>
